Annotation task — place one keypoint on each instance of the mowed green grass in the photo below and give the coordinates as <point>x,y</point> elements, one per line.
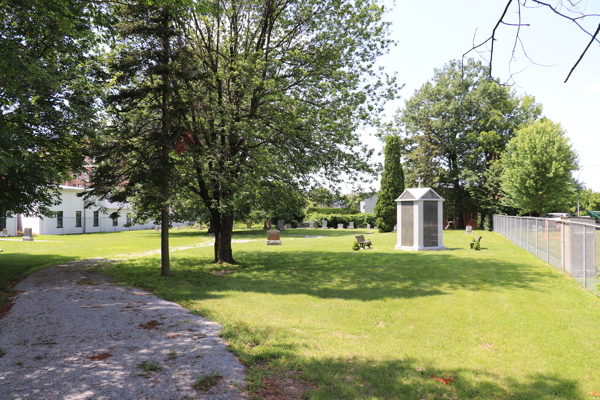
<point>382,323</point>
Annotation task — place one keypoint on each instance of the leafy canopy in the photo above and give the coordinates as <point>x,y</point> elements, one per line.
<point>538,163</point>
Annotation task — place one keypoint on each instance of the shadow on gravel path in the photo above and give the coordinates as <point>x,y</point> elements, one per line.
<point>73,335</point>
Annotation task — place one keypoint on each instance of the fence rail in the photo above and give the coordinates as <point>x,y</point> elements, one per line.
<point>571,247</point>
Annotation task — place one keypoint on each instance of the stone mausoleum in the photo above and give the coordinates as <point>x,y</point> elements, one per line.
<point>420,220</point>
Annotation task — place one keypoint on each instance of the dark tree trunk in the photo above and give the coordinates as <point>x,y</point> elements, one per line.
<point>223,226</point>
<point>165,267</point>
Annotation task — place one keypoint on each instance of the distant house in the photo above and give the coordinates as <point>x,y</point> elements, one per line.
<point>72,217</point>
<point>368,204</point>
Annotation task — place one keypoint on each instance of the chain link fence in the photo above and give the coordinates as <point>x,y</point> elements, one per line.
<point>567,246</point>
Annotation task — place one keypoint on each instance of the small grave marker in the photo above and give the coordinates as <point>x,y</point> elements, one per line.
<point>28,237</point>
<point>324,224</point>
<point>469,229</point>
<point>273,238</point>
<point>280,225</point>
<point>340,226</point>
<point>351,225</point>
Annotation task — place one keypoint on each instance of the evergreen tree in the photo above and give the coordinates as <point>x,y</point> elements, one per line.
<point>135,158</point>
<point>392,185</point>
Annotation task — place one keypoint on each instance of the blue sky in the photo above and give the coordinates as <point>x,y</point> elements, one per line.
<point>430,33</point>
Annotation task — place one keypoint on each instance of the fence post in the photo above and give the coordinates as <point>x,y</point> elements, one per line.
<point>527,234</point>
<point>562,246</point>
<point>584,260</point>
<point>548,242</point>
<point>536,238</point>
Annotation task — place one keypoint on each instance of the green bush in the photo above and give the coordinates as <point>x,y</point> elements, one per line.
<point>331,210</point>
<point>355,246</point>
<point>488,223</point>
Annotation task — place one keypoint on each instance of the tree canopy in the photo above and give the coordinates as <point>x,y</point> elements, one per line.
<point>454,126</point>
<point>537,165</point>
<point>285,88</point>
<point>48,98</point>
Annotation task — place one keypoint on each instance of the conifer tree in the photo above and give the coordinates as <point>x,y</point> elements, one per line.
<point>392,185</point>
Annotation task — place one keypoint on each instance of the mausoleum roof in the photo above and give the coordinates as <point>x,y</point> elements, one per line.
<point>412,194</point>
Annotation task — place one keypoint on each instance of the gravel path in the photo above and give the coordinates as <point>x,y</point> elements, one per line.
<point>72,335</point>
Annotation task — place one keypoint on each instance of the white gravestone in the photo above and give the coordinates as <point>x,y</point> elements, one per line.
<point>351,225</point>
<point>340,226</point>
<point>469,229</point>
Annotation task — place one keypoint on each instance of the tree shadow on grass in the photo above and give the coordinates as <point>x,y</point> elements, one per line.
<point>411,379</point>
<point>362,276</point>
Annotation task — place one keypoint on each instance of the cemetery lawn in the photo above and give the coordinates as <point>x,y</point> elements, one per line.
<point>373,324</point>
<point>21,258</point>
<point>385,324</point>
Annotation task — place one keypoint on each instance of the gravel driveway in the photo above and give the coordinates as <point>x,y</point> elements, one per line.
<point>71,335</point>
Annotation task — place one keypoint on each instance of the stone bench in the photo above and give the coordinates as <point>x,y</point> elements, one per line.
<point>360,239</point>
<point>473,244</point>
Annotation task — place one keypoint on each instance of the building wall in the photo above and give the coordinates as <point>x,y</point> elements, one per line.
<point>11,227</point>
<point>368,205</point>
<point>86,223</point>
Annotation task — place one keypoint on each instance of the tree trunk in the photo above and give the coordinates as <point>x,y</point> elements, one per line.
<point>223,226</point>
<point>165,267</point>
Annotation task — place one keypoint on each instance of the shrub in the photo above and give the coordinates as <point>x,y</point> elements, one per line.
<point>360,219</point>
<point>355,246</point>
<point>488,223</point>
<point>331,210</point>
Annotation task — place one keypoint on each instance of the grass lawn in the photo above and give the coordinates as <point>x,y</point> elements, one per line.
<point>380,323</point>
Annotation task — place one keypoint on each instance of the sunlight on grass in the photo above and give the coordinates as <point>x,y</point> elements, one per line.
<point>383,323</point>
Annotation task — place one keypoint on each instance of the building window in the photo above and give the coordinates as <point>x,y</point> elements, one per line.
<point>128,219</point>
<point>115,221</point>
<point>59,219</point>
<point>96,218</point>
<point>77,219</point>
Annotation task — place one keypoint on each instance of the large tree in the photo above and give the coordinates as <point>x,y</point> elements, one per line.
<point>135,156</point>
<point>392,185</point>
<point>455,126</point>
<point>286,86</point>
<point>538,166</point>
<point>47,98</point>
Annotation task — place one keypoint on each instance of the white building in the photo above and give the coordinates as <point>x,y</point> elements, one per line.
<point>74,218</point>
<point>368,205</point>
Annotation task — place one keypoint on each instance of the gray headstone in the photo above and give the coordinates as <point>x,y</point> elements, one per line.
<point>351,225</point>
<point>324,224</point>
<point>27,235</point>
<point>340,226</point>
<point>287,226</point>
<point>280,225</point>
<point>311,224</point>
<point>395,227</point>
<point>469,229</point>
<point>368,226</point>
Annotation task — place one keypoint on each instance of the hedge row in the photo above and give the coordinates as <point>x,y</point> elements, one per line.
<point>331,210</point>
<point>360,220</point>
